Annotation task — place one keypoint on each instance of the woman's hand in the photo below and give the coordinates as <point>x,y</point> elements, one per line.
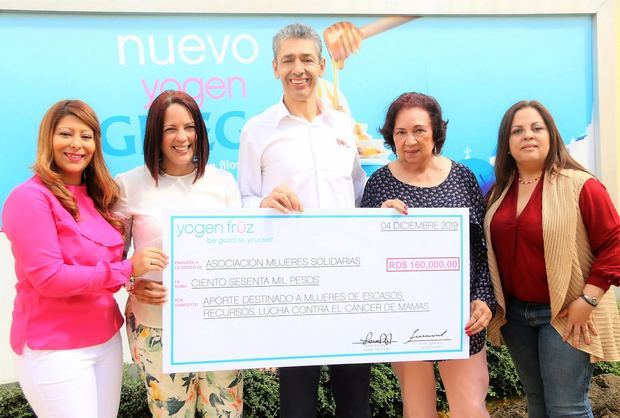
<point>149,291</point>
<point>148,259</point>
<point>480,316</point>
<point>397,204</point>
<point>580,322</point>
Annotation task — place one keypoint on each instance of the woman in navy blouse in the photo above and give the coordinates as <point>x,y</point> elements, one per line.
<point>422,177</point>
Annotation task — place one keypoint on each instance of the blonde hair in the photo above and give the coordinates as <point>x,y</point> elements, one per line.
<point>99,183</point>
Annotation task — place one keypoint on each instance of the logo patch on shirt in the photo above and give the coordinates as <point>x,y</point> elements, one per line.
<point>342,142</point>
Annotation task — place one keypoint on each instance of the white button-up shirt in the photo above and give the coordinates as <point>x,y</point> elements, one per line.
<point>318,160</point>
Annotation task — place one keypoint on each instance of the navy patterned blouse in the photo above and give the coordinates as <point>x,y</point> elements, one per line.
<point>459,190</point>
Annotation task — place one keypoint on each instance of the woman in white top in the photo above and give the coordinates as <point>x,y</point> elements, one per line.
<point>175,174</point>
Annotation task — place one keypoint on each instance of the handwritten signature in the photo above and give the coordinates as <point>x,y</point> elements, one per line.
<point>416,336</point>
<point>383,339</point>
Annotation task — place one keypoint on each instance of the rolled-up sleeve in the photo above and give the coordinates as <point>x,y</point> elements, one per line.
<point>603,225</point>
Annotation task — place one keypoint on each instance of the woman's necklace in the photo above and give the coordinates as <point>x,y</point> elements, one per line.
<point>530,181</point>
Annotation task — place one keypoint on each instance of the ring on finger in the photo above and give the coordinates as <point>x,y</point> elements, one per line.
<point>153,261</point>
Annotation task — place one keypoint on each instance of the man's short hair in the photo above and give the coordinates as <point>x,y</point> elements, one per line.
<point>297,31</point>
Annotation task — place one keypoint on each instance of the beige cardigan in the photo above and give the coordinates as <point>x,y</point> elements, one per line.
<point>568,259</point>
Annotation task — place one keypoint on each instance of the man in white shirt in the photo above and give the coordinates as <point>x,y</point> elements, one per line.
<point>297,154</point>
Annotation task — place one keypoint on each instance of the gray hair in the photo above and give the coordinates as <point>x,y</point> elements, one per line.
<point>297,31</point>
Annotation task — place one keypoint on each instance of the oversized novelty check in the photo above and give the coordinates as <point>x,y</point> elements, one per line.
<point>257,288</point>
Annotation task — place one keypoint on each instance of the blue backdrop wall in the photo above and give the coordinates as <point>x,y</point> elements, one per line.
<point>475,66</point>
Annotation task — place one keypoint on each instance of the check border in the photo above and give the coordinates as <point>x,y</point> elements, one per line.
<point>317,356</point>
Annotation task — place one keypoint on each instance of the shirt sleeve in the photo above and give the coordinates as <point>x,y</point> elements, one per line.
<point>30,225</point>
<point>359,180</point>
<point>358,175</point>
<point>603,225</point>
<point>249,172</point>
<point>481,285</point>
<point>369,199</point>
<point>233,200</point>
<point>121,211</point>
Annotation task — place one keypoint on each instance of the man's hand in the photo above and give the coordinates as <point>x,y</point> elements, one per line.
<point>283,199</point>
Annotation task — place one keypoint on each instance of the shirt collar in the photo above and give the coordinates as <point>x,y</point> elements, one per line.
<point>282,112</point>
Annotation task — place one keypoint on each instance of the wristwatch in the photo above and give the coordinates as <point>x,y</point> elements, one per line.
<point>592,300</point>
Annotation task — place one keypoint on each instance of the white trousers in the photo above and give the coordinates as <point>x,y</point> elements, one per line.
<point>81,383</point>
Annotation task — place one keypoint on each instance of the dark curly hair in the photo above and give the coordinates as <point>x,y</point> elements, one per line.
<point>407,101</point>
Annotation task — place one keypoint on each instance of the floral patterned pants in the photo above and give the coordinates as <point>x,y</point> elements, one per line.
<point>182,395</point>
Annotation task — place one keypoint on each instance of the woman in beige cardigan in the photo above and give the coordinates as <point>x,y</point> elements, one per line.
<point>553,242</point>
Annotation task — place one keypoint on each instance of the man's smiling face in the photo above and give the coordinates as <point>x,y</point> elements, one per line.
<point>298,66</point>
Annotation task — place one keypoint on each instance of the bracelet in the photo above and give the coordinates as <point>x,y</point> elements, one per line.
<point>130,285</point>
<point>593,301</point>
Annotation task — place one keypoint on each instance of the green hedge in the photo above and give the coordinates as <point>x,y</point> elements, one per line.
<point>13,404</point>
<point>261,391</point>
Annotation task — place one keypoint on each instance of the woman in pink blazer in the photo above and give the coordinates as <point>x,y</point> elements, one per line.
<point>68,250</point>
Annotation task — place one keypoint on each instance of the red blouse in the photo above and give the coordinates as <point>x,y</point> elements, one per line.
<point>519,248</point>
